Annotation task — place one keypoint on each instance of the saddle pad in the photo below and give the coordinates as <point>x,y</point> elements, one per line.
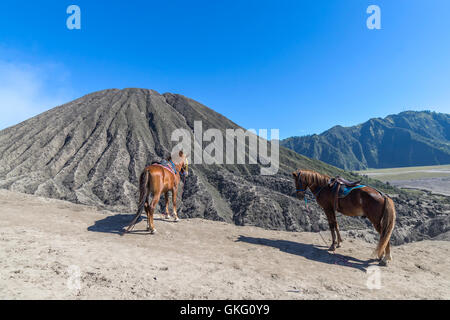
<point>344,191</point>
<point>165,167</point>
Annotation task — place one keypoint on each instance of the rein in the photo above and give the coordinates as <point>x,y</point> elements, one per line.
<point>317,192</point>
<point>173,167</point>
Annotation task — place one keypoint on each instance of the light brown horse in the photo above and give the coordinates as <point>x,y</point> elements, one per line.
<point>364,201</point>
<point>157,179</point>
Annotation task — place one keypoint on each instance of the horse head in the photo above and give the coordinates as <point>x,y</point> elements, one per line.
<point>300,185</point>
<point>181,161</point>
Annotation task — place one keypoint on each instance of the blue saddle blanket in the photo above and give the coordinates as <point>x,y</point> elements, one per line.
<point>345,191</point>
<point>168,164</point>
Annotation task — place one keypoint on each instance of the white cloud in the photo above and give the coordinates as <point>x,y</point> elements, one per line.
<point>27,90</point>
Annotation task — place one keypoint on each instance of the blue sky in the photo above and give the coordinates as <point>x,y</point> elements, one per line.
<point>300,66</point>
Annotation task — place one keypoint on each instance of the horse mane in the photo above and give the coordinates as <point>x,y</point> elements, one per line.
<point>314,178</point>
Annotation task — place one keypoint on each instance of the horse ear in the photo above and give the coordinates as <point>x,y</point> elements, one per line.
<point>181,153</point>
<point>294,174</point>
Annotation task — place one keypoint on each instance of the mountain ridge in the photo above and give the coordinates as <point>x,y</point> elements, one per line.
<point>410,138</point>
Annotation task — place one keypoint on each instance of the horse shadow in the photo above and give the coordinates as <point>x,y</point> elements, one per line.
<point>310,252</point>
<point>117,224</point>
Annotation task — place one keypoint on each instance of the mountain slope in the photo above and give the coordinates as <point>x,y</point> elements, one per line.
<point>407,139</point>
<point>92,151</point>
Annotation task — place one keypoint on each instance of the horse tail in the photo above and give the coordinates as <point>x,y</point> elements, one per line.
<point>144,192</point>
<point>387,224</point>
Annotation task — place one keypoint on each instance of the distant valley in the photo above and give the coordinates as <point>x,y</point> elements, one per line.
<point>431,178</point>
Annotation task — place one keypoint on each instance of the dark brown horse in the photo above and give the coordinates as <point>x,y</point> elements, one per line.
<point>158,179</point>
<point>362,201</point>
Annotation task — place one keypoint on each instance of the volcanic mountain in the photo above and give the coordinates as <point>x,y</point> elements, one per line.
<point>92,151</point>
<point>402,140</point>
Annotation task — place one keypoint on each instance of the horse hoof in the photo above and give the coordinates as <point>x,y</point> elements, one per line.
<point>332,248</point>
<point>153,231</point>
<point>383,263</point>
<point>176,220</point>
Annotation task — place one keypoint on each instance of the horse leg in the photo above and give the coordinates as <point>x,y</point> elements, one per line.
<point>339,239</point>
<point>333,236</point>
<point>388,256</point>
<point>166,199</point>
<point>147,211</point>
<point>377,226</point>
<point>174,203</point>
<point>150,212</point>
<point>331,216</point>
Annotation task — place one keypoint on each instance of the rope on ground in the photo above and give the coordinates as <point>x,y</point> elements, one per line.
<point>326,244</point>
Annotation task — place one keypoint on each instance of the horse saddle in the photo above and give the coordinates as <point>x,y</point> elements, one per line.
<point>345,182</point>
<point>342,188</point>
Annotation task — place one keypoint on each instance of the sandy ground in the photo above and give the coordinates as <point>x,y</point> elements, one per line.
<point>51,249</point>
<point>435,185</point>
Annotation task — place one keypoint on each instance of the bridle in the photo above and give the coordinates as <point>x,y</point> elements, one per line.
<point>184,168</point>
<point>184,171</point>
<point>303,189</point>
<point>299,182</point>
